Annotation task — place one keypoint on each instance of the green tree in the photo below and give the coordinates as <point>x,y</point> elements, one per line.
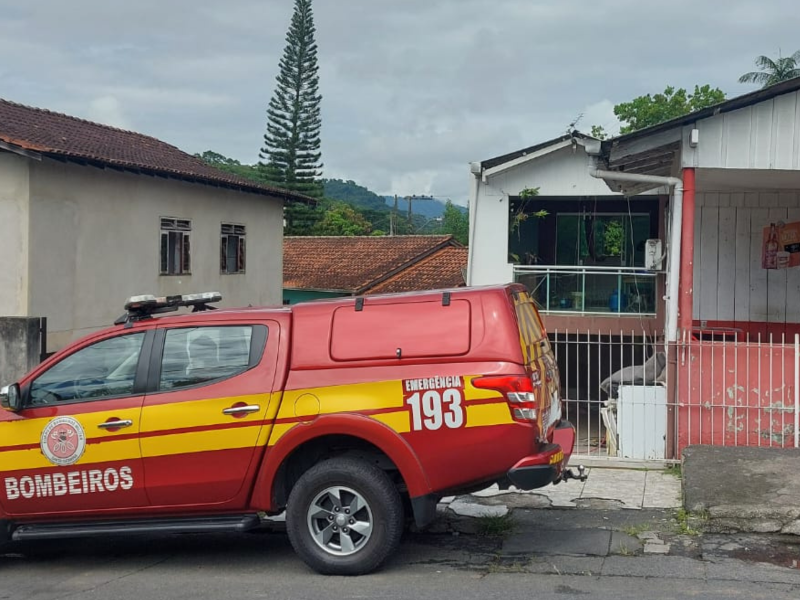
<point>342,219</point>
<point>233,166</point>
<point>456,223</point>
<point>598,132</point>
<point>646,111</point>
<point>291,143</point>
<point>773,71</point>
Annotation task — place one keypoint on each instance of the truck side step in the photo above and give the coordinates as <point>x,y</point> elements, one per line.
<point>50,531</point>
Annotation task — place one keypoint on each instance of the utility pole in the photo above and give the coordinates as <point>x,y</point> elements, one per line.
<point>409,199</point>
<point>393,218</point>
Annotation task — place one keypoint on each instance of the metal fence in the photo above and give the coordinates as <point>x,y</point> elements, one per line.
<point>736,392</point>
<point>631,397</point>
<point>613,420</point>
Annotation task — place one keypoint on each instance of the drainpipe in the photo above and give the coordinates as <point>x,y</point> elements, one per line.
<point>472,207</point>
<point>687,251</point>
<point>674,247</point>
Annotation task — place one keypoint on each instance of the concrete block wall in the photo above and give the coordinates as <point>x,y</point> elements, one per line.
<point>20,347</point>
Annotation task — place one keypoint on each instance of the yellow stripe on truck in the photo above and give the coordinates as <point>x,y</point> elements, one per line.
<point>17,460</point>
<point>29,431</point>
<point>159,420</point>
<point>197,441</point>
<point>199,413</point>
<point>398,421</point>
<point>376,395</point>
<point>481,415</point>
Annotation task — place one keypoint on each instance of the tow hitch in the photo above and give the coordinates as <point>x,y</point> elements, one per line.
<point>568,474</point>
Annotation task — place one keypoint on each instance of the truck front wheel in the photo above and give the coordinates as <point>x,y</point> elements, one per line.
<point>344,516</point>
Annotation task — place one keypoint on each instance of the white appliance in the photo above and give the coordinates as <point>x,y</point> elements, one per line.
<point>642,421</point>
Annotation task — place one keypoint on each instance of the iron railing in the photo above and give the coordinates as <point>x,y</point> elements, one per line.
<point>591,290</point>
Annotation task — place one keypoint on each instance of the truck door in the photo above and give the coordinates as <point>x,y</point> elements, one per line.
<point>74,446</point>
<point>209,406</point>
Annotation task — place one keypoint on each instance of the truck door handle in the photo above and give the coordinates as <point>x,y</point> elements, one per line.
<point>241,410</point>
<point>116,424</point>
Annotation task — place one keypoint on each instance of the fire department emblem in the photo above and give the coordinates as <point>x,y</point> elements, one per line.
<point>63,441</point>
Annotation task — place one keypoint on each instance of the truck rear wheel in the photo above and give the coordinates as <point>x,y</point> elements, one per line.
<point>344,516</point>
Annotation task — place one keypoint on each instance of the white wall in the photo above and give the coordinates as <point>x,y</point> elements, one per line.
<point>729,283</point>
<point>563,172</point>
<point>763,136</point>
<point>95,235</point>
<point>13,235</point>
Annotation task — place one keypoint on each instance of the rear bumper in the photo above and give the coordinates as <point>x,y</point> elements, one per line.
<point>547,466</point>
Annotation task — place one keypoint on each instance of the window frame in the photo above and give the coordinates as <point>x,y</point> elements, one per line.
<point>139,381</point>
<point>258,345</point>
<point>169,226</point>
<point>238,232</point>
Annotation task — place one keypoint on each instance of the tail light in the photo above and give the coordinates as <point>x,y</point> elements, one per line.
<point>519,391</point>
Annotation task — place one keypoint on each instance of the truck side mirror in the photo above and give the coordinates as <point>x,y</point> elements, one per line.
<point>10,397</point>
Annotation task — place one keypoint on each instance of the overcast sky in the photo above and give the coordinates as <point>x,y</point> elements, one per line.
<point>413,90</point>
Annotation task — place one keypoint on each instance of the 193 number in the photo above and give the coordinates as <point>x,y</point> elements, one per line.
<point>432,409</point>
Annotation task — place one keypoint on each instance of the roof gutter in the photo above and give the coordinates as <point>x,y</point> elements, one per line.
<point>674,245</point>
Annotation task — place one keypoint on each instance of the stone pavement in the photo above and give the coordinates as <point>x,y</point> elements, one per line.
<point>743,489</point>
<point>606,488</point>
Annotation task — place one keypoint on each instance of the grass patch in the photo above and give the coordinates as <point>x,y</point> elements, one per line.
<point>635,530</point>
<point>623,550</point>
<point>495,526</point>
<point>674,470</point>
<point>685,522</point>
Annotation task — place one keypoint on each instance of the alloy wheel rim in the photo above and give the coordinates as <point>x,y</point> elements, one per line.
<point>340,520</point>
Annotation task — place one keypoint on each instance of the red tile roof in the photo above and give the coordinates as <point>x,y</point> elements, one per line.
<point>353,265</point>
<point>442,269</point>
<point>27,129</point>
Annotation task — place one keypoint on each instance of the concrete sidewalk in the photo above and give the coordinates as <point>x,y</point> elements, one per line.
<point>743,489</point>
<point>606,488</point>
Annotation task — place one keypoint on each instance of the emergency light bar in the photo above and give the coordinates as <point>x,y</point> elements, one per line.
<point>146,305</point>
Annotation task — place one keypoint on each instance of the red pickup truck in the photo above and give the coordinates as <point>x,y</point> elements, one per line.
<point>353,415</point>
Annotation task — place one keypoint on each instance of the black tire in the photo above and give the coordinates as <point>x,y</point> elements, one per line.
<point>354,553</point>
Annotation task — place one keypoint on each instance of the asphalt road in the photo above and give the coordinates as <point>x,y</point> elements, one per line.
<point>439,567</point>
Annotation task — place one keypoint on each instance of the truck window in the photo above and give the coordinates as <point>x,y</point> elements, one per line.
<point>103,370</point>
<point>197,355</point>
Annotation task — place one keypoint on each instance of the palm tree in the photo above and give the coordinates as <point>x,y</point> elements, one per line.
<point>773,71</point>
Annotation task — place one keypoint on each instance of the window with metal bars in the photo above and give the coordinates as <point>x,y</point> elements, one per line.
<point>175,246</point>
<point>232,248</point>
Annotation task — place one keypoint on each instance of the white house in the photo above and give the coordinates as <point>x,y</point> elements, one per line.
<point>558,241</point>
<point>91,214</point>
<point>720,288</point>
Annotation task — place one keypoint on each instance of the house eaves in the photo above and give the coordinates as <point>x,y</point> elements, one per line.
<point>656,150</point>
<point>521,160</point>
<point>490,166</point>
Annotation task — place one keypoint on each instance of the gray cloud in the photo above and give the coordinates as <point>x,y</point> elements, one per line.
<point>413,89</point>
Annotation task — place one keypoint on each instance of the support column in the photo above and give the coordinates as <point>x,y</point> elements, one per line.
<point>687,251</point>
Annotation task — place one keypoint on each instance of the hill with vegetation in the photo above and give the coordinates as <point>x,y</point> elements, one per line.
<point>348,208</point>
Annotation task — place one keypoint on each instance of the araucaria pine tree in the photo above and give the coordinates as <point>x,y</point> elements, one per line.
<point>291,144</point>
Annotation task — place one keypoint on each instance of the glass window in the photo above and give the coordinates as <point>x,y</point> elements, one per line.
<point>106,369</point>
<point>175,252</point>
<point>232,248</point>
<point>193,356</point>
